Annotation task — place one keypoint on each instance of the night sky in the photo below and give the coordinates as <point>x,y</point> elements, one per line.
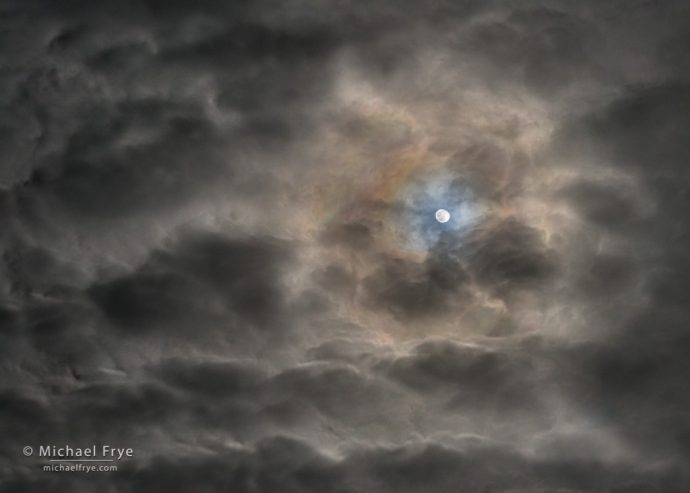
<point>219,245</point>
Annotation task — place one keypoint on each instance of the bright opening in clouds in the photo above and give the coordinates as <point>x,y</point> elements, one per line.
<point>434,205</point>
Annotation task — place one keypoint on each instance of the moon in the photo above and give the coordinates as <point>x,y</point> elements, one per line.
<point>442,216</point>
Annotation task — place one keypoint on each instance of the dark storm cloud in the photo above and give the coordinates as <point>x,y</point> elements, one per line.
<point>545,48</point>
<point>146,300</point>
<point>641,374</point>
<point>411,289</point>
<point>509,255</point>
<point>467,376</point>
<point>335,278</point>
<point>608,274</point>
<point>287,464</point>
<point>640,385</point>
<point>227,397</point>
<point>102,123</point>
<point>95,179</point>
<point>355,235</point>
<point>602,204</point>
<point>34,269</point>
<point>182,287</point>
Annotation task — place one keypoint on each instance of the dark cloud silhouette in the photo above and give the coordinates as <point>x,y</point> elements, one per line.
<point>203,278</point>
<point>410,289</point>
<point>511,255</point>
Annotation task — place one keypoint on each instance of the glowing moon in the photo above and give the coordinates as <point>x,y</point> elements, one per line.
<point>442,216</point>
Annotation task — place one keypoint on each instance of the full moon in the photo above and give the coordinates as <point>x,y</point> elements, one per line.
<point>442,216</point>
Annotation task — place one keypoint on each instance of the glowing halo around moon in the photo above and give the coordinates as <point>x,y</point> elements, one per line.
<point>442,216</point>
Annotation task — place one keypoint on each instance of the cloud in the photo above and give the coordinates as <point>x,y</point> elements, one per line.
<point>410,289</point>
<point>511,254</point>
<point>204,211</point>
<point>206,274</point>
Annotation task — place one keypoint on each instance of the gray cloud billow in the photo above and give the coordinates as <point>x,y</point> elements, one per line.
<point>205,255</point>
